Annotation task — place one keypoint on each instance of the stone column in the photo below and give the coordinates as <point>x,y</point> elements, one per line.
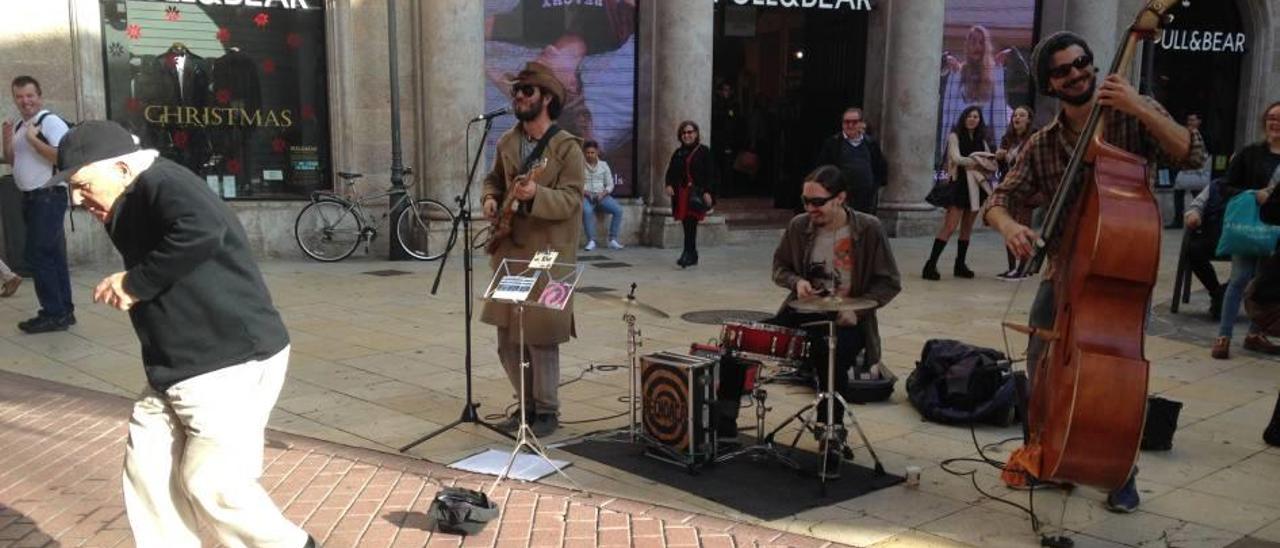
<point>450,68</point>
<point>678,67</point>
<point>1098,22</point>
<point>914,46</point>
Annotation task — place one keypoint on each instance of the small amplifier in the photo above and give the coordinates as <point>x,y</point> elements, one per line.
<point>677,394</point>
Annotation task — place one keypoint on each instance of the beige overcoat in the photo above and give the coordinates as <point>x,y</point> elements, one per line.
<point>552,219</point>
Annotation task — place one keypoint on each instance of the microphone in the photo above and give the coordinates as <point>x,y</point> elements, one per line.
<point>491,114</point>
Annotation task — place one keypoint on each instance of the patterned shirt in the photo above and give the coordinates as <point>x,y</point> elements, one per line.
<point>1039,169</point>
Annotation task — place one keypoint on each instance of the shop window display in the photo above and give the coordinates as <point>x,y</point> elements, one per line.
<point>236,93</point>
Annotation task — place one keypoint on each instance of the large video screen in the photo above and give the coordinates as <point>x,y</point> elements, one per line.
<point>986,61</point>
<point>591,46</point>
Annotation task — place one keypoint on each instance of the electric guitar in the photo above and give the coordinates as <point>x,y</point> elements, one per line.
<point>507,211</point>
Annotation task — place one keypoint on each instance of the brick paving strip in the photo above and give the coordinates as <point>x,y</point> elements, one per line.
<point>61,449</point>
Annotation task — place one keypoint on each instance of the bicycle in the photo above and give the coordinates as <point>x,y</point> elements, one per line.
<point>332,226</point>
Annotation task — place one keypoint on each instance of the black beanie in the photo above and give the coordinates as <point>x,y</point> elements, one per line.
<point>1042,56</point>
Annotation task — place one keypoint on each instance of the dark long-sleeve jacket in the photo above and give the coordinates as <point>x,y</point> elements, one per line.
<point>202,304</point>
<point>703,170</point>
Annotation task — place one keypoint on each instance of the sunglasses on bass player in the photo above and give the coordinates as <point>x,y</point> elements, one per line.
<point>1062,71</point>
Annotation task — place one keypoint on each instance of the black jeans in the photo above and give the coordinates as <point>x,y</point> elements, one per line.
<point>849,343</point>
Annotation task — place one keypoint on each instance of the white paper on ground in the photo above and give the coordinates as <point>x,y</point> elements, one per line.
<point>527,467</point>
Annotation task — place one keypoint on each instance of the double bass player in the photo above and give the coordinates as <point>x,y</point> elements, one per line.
<point>1064,69</point>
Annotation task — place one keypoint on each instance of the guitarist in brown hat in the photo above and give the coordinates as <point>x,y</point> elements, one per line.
<point>533,197</point>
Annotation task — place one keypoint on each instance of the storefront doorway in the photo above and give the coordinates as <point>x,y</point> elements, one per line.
<point>1195,69</point>
<point>782,76</point>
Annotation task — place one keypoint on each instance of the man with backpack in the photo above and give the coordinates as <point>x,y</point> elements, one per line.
<point>31,145</point>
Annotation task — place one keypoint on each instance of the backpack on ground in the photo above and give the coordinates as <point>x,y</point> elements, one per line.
<point>958,383</point>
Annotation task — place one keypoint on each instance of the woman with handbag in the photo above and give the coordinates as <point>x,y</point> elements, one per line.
<point>970,166</point>
<point>691,180</point>
<point>1019,133</point>
<point>1256,167</point>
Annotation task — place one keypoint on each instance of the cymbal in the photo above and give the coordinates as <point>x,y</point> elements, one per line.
<point>631,301</point>
<point>832,304</point>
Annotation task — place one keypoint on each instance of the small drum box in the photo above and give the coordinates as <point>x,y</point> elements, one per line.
<point>677,393</point>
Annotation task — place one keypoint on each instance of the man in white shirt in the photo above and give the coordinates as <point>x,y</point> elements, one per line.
<point>597,194</point>
<point>31,145</point>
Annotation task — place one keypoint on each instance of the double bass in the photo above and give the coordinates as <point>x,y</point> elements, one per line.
<point>1088,404</point>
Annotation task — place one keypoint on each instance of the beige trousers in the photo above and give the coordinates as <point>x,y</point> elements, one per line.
<point>542,388</point>
<point>195,452</point>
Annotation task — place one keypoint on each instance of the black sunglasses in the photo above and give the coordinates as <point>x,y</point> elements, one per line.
<point>523,89</point>
<point>689,132</point>
<point>1061,71</point>
<point>816,202</point>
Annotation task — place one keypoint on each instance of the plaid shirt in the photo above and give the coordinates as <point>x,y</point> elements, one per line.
<point>1039,169</point>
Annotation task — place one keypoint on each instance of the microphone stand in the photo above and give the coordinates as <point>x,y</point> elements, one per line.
<point>469,415</point>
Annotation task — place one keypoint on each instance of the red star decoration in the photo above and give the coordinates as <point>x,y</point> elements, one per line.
<point>262,19</point>
<point>278,145</point>
<point>268,66</point>
<point>173,14</point>
<point>223,96</point>
<point>308,112</point>
<point>233,165</point>
<point>180,139</point>
<point>224,34</point>
<point>293,40</point>
<point>133,104</point>
<point>133,31</point>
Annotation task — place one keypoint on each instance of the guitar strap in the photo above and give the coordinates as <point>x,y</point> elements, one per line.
<point>539,148</point>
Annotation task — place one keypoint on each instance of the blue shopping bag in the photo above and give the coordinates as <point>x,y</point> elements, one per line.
<point>1243,232</point>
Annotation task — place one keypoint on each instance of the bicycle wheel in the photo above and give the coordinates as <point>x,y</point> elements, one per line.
<point>328,230</point>
<point>426,230</point>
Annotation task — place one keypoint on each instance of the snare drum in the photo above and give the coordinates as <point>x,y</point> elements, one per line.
<point>762,341</point>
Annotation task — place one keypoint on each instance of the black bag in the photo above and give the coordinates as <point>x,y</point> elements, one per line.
<point>1162,421</point>
<point>940,196</point>
<point>461,511</point>
<point>696,203</point>
<point>958,383</point>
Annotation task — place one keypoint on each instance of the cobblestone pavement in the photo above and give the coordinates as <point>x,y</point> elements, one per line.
<point>60,486</point>
<point>377,361</point>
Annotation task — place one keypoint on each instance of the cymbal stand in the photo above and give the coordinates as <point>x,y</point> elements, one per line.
<point>828,432</point>
<point>525,437</point>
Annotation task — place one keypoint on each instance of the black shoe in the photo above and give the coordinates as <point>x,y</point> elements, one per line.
<point>962,271</point>
<point>930,272</point>
<point>544,424</point>
<point>683,261</point>
<point>511,424</point>
<point>1272,434</point>
<point>1125,500</point>
<point>312,542</point>
<point>830,462</point>
<point>46,324</point>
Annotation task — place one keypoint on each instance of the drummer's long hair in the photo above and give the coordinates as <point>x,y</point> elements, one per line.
<point>829,177</point>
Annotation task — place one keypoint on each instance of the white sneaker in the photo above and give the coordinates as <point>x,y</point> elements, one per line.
<point>591,244</point>
<point>613,244</point>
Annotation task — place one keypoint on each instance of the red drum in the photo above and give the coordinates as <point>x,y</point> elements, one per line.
<point>764,342</point>
<point>750,377</point>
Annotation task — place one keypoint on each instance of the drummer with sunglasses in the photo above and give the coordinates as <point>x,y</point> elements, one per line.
<point>831,249</point>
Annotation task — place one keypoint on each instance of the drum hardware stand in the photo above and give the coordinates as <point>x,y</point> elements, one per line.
<point>828,431</point>
<point>524,436</point>
<point>764,446</point>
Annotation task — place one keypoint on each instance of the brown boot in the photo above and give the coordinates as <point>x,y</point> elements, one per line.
<point>1221,348</point>
<point>1258,342</point>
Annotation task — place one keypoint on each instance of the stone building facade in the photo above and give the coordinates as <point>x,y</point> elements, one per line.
<point>441,56</point>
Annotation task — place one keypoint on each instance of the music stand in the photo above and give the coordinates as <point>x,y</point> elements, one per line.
<point>518,283</point>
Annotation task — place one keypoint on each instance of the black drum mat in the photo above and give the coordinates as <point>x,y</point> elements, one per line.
<point>759,488</point>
